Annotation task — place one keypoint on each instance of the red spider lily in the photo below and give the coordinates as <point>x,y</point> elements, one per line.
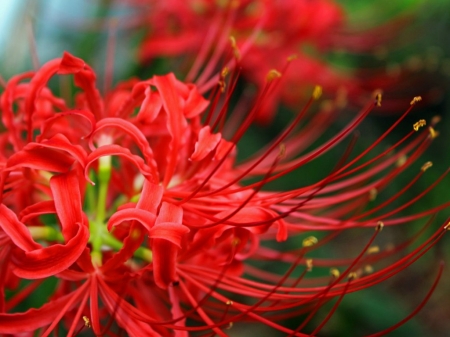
<point>136,204</point>
<point>260,28</point>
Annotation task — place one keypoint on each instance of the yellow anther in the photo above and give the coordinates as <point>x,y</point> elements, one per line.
<point>447,227</point>
<point>415,100</point>
<point>368,269</point>
<point>433,132</point>
<point>309,241</point>
<point>87,322</point>
<point>335,272</point>
<point>373,250</point>
<point>235,241</point>
<point>373,194</point>
<point>230,325</point>
<point>292,57</point>
<point>379,226</point>
<point>272,74</point>
<point>378,98</point>
<point>229,303</point>
<point>419,124</point>
<point>426,166</point>
<point>309,264</point>
<point>401,161</point>
<point>224,72</point>
<point>317,92</point>
<point>236,52</point>
<point>352,276</point>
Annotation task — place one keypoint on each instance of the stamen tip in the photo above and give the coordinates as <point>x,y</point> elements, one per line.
<point>380,226</point>
<point>272,74</point>
<point>426,166</point>
<point>87,322</point>
<point>419,124</point>
<point>309,264</point>
<point>378,98</point>
<point>317,92</point>
<point>415,100</point>
<point>335,272</point>
<point>309,241</point>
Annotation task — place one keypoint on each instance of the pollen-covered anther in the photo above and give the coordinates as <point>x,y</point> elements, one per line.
<point>225,71</point>
<point>309,264</point>
<point>419,124</point>
<point>87,322</point>
<point>236,52</point>
<point>309,241</point>
<point>352,276</point>
<point>292,57</point>
<point>317,92</point>
<point>368,269</point>
<point>229,303</point>
<point>401,161</point>
<point>272,75</point>
<point>379,226</point>
<point>373,194</point>
<point>426,166</point>
<point>335,272</point>
<point>447,227</point>
<point>433,132</point>
<point>378,98</point>
<point>373,250</point>
<point>415,100</point>
<point>230,325</point>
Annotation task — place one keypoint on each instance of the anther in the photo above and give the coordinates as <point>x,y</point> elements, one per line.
<point>401,161</point>
<point>317,92</point>
<point>379,226</point>
<point>230,325</point>
<point>447,227</point>
<point>433,132</point>
<point>335,272</point>
<point>236,52</point>
<point>292,57</point>
<point>373,250</point>
<point>419,124</point>
<point>272,74</point>
<point>87,322</point>
<point>224,72</point>
<point>352,276</point>
<point>426,166</point>
<point>415,100</point>
<point>309,264</point>
<point>229,303</point>
<point>309,241</point>
<point>378,98</point>
<point>368,269</point>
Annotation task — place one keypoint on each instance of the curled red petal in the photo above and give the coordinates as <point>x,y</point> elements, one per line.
<point>116,150</point>
<point>70,64</point>
<point>206,143</point>
<point>16,230</point>
<point>146,218</point>
<point>49,261</point>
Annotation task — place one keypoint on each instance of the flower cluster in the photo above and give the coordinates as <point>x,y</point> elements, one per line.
<point>136,204</point>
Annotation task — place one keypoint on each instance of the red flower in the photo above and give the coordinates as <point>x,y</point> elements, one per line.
<point>136,203</point>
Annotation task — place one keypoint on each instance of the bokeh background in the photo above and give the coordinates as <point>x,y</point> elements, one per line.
<point>32,32</point>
